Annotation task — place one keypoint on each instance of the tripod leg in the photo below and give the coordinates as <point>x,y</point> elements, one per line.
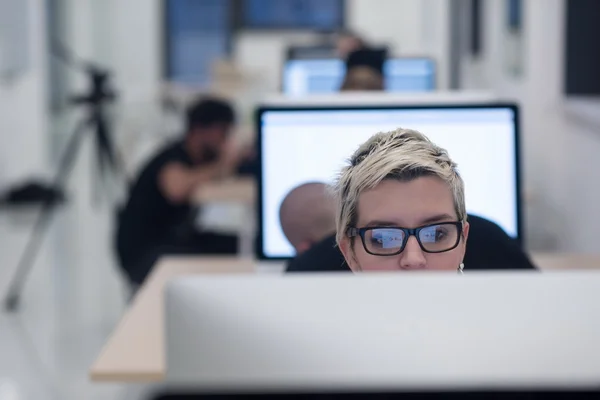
<point>108,163</point>
<point>106,146</point>
<point>44,217</point>
<point>104,153</point>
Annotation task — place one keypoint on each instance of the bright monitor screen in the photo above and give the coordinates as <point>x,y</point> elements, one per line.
<point>316,76</point>
<point>302,144</point>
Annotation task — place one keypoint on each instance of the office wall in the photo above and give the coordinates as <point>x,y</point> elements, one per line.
<point>558,147</point>
<point>127,35</point>
<point>134,49</point>
<point>23,128</point>
<point>124,36</point>
<point>410,27</point>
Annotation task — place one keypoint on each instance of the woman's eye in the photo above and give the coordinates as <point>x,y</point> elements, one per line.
<point>440,235</point>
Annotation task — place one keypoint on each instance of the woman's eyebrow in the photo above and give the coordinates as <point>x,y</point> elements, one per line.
<point>437,218</point>
<point>429,220</point>
<point>382,223</point>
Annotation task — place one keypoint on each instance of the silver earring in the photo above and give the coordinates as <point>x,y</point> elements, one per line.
<point>460,268</point>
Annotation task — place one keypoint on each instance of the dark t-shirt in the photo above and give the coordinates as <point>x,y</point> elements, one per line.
<point>149,217</point>
<point>488,247</point>
<point>324,256</point>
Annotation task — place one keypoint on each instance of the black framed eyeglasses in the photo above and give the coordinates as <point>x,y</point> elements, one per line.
<point>389,241</point>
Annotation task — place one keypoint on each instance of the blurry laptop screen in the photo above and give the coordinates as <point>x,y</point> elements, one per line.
<point>315,76</point>
<point>409,75</point>
<point>301,144</point>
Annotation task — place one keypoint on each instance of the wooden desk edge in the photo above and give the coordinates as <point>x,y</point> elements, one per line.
<point>178,266</point>
<point>126,377</point>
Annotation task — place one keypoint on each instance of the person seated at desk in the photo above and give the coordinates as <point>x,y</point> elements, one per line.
<point>489,246</point>
<point>157,218</point>
<point>307,215</point>
<point>364,70</point>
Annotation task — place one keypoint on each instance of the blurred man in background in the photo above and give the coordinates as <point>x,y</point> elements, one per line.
<point>364,70</point>
<point>158,218</point>
<point>307,215</point>
<point>362,79</point>
<point>307,218</point>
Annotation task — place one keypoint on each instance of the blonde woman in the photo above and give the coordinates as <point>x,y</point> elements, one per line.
<point>401,206</point>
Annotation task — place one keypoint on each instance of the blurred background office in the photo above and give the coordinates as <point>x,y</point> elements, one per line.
<point>161,54</point>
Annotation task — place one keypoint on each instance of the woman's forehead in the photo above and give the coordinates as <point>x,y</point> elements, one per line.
<point>413,203</point>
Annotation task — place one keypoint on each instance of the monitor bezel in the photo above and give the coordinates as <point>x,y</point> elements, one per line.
<point>259,251</point>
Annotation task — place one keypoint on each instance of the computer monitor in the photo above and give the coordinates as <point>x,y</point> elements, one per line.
<point>310,76</point>
<point>302,77</point>
<point>387,332</point>
<point>409,75</point>
<point>300,144</point>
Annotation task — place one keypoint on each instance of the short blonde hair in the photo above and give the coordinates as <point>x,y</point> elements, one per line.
<point>403,155</point>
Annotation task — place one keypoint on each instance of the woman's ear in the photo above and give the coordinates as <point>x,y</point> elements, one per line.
<point>348,252</point>
<point>465,236</point>
<point>465,231</point>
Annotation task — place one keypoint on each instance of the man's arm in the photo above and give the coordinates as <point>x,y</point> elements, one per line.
<point>177,182</point>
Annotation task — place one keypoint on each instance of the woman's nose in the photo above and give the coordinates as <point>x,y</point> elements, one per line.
<point>412,257</point>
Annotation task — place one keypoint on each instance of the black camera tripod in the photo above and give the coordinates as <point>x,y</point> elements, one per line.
<point>95,123</point>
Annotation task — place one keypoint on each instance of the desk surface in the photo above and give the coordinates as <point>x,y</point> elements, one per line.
<point>235,190</point>
<point>135,351</point>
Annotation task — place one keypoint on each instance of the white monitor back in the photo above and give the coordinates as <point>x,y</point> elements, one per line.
<point>380,98</point>
<point>378,332</point>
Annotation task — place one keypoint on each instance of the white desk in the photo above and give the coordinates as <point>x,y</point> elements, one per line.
<point>235,190</point>
<point>227,195</point>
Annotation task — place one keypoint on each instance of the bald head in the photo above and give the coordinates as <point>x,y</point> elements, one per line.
<point>307,215</point>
